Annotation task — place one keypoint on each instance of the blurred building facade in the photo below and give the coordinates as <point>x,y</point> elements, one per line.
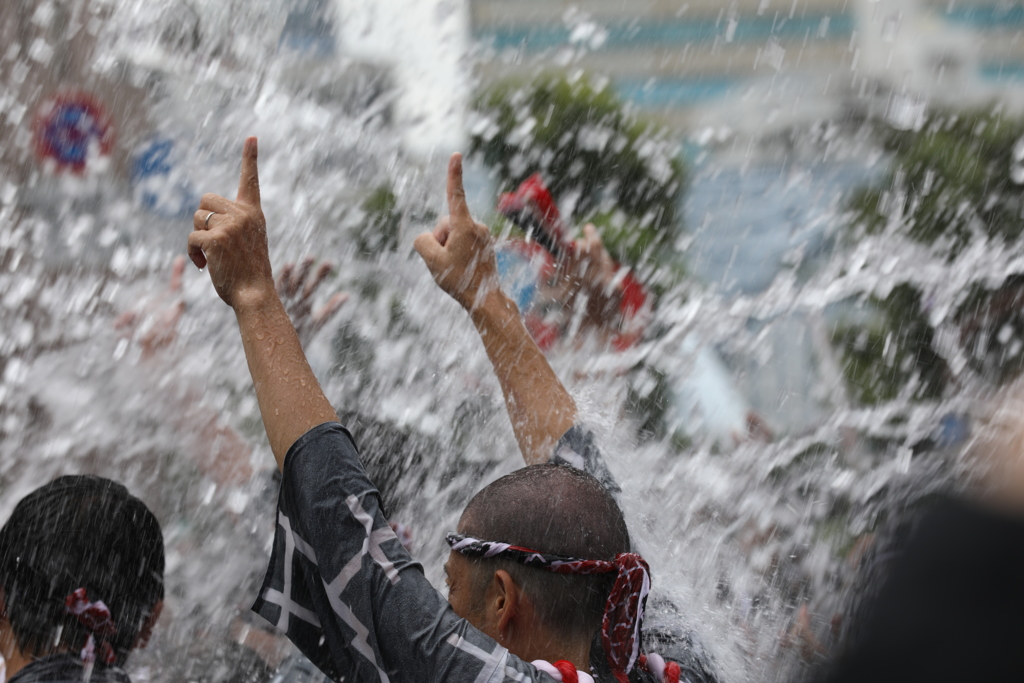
<point>56,110</point>
<point>73,105</point>
<point>687,62</point>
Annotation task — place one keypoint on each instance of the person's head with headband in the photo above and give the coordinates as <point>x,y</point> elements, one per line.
<point>541,562</point>
<point>81,574</point>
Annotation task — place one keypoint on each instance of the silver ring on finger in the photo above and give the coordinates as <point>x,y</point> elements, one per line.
<point>206,223</point>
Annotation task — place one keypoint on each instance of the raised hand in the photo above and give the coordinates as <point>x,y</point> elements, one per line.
<point>297,286</point>
<point>460,256</point>
<point>157,322</point>
<point>586,268</point>
<point>459,252</point>
<point>590,263</point>
<point>231,237</point>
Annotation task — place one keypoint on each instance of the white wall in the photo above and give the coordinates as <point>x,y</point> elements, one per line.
<point>425,43</point>
<point>909,46</point>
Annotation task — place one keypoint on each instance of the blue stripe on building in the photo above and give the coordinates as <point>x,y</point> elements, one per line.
<point>987,16</point>
<point>1004,72</point>
<point>673,92</point>
<point>648,33</point>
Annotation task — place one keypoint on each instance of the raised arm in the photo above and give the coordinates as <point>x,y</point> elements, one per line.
<point>460,256</point>
<point>231,238</point>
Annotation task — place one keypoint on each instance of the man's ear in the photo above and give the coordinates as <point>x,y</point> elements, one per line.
<point>146,632</point>
<point>505,599</point>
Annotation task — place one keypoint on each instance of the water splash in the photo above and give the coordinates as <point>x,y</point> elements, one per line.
<point>739,535</point>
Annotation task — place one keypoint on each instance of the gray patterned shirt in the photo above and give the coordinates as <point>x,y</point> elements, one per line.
<point>346,592</point>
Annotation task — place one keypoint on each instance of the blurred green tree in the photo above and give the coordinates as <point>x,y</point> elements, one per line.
<point>379,229</point>
<point>613,169</point>
<point>991,322</point>
<point>960,175</point>
<point>958,178</point>
<point>895,353</point>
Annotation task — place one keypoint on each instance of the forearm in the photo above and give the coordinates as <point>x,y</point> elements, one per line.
<point>540,408</point>
<point>291,401</point>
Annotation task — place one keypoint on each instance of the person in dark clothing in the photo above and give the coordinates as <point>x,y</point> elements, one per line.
<point>340,584</point>
<point>949,605</point>
<point>81,581</point>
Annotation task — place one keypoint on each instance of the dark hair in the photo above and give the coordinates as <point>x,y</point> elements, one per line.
<point>552,509</point>
<point>80,532</point>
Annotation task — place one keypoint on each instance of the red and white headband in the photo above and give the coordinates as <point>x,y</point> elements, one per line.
<point>623,612</point>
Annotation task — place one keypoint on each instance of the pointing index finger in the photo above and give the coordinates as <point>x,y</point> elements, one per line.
<point>249,182</point>
<point>457,206</point>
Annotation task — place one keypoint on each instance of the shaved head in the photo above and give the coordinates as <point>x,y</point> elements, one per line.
<point>551,509</point>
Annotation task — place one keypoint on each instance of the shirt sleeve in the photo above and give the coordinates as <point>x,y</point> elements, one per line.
<point>346,592</point>
<point>576,448</point>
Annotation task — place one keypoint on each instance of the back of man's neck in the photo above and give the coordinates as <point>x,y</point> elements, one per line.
<point>541,646</point>
<point>14,660</point>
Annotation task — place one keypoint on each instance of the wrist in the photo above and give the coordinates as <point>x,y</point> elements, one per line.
<point>495,309</point>
<point>255,297</point>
